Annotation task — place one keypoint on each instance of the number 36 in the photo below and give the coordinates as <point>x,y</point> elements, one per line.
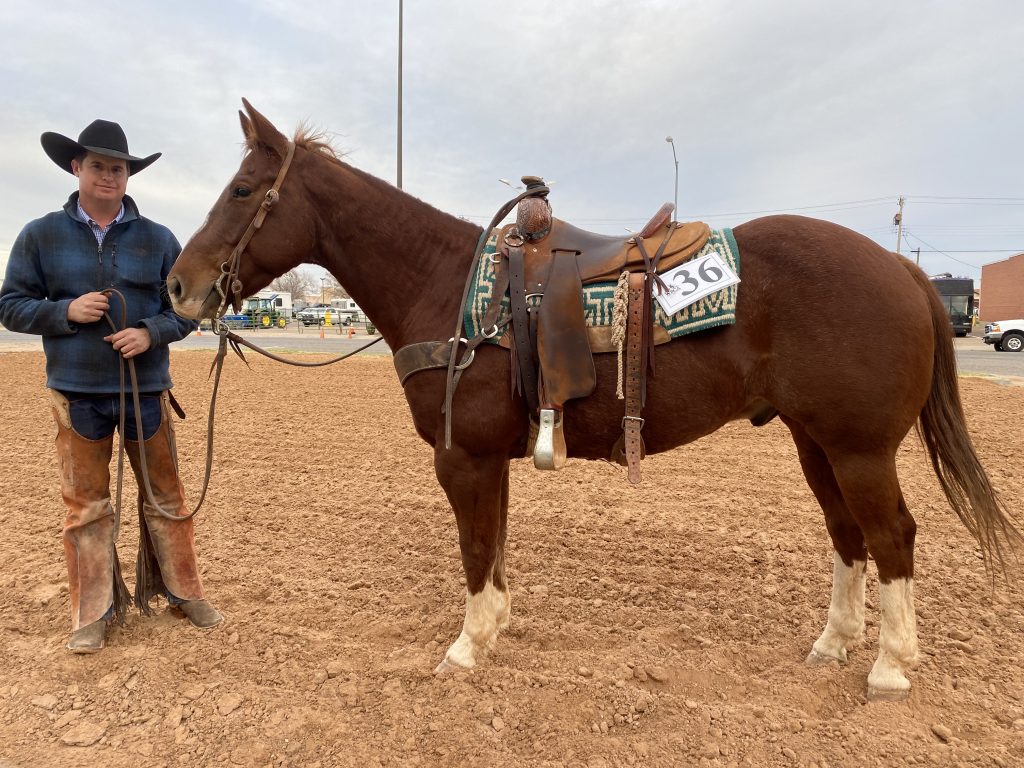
<point>685,283</point>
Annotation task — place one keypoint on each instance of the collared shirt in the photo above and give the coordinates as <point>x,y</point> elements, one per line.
<point>97,230</point>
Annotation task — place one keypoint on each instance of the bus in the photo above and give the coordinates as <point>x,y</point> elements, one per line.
<point>957,294</point>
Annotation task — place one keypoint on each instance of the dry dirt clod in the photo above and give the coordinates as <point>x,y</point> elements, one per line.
<point>84,734</point>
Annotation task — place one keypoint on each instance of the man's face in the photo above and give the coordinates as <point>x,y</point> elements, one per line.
<point>101,178</point>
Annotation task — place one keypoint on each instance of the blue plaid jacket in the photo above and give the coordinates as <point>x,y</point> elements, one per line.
<point>56,259</point>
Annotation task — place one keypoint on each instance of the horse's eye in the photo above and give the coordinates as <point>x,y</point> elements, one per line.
<point>241,192</point>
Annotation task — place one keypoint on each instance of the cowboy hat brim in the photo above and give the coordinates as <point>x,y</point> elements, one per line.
<point>63,150</point>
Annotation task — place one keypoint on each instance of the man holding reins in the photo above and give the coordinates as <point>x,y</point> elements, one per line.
<point>65,272</point>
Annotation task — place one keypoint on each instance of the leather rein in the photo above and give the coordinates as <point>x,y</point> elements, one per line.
<point>227,285</point>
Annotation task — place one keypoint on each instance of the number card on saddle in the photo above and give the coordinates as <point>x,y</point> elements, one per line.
<point>545,263</point>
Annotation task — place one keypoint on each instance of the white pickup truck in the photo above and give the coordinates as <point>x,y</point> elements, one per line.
<point>1005,335</point>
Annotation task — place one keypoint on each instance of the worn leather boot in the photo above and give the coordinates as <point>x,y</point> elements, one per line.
<point>201,614</point>
<point>89,524</point>
<point>88,639</point>
<point>173,543</point>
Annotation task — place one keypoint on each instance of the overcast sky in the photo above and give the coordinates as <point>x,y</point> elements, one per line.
<point>827,109</point>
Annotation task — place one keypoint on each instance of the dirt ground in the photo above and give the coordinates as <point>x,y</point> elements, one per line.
<point>656,626</point>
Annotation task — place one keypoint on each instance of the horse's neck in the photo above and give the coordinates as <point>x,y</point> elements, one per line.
<point>404,262</point>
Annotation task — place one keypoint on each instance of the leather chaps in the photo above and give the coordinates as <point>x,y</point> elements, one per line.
<point>167,559</point>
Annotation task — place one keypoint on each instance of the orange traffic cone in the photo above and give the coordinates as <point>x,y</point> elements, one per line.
<point>321,331</point>
<point>199,330</point>
<point>351,332</point>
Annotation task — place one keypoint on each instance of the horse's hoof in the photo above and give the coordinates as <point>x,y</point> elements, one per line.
<point>815,659</point>
<point>447,667</point>
<point>888,694</point>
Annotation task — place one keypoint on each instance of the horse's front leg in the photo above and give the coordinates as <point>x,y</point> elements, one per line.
<point>477,487</point>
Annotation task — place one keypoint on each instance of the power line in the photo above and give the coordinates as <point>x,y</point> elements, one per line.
<point>940,197</point>
<point>936,250</point>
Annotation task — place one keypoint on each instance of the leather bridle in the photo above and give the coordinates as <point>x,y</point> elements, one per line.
<point>228,282</point>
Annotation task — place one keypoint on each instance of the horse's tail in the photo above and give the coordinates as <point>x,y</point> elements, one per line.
<point>943,430</point>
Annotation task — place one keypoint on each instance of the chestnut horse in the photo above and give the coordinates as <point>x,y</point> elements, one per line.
<point>805,345</point>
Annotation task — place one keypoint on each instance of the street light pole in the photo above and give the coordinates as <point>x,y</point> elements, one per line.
<point>400,14</point>
<point>323,299</point>
<point>675,200</point>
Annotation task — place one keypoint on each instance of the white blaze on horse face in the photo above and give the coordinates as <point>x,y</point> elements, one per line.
<point>486,613</point>
<point>845,614</point>
<point>897,641</point>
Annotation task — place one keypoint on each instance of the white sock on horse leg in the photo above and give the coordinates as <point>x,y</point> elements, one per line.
<point>845,614</point>
<point>486,612</point>
<point>897,640</point>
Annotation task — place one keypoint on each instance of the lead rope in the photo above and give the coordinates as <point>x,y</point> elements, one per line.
<point>226,337</point>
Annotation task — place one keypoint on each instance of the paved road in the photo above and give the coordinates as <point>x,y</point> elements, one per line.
<point>973,355</point>
<point>273,339</point>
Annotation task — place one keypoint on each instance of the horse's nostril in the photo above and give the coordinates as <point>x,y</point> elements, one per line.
<point>174,287</point>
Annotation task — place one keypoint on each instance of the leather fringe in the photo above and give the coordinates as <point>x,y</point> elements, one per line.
<point>148,581</point>
<point>122,598</point>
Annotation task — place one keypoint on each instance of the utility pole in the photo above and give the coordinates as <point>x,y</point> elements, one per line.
<point>917,256</point>
<point>400,14</point>
<point>898,221</point>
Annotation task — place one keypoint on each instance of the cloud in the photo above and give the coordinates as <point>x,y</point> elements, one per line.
<point>771,106</point>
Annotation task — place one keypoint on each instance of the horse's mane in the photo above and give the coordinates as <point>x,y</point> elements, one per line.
<point>311,139</point>
<point>315,140</point>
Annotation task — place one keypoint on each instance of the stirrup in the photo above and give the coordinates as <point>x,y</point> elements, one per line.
<point>549,450</point>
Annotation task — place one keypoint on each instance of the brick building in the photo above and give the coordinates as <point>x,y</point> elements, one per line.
<point>1002,290</point>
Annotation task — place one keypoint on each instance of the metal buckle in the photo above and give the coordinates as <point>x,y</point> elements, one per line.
<point>472,353</point>
<point>632,418</point>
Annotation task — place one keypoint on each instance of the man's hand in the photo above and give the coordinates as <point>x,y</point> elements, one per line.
<point>88,308</point>
<point>130,342</point>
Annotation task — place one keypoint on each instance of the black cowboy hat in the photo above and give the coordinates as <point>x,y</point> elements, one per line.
<point>100,136</point>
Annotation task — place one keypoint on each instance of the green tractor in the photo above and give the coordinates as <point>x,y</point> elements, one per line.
<point>264,313</point>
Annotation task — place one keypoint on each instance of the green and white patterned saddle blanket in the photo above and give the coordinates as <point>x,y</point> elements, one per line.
<point>715,309</point>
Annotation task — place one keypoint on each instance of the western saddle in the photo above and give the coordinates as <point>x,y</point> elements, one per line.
<point>543,258</point>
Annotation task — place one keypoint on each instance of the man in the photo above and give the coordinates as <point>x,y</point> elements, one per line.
<point>57,273</point>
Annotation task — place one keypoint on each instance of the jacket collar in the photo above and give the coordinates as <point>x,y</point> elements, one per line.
<point>131,210</point>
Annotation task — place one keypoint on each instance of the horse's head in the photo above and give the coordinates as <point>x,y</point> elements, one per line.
<point>280,242</point>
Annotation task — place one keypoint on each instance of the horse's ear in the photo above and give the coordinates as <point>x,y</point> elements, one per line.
<point>263,131</point>
<point>247,129</point>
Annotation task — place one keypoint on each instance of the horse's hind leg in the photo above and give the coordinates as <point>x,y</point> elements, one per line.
<point>845,623</point>
<point>477,488</point>
<point>872,493</point>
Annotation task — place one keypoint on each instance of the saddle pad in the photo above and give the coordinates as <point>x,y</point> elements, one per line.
<point>718,308</point>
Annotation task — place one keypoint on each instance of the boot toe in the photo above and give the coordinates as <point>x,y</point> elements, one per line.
<point>201,613</point>
<point>88,639</point>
